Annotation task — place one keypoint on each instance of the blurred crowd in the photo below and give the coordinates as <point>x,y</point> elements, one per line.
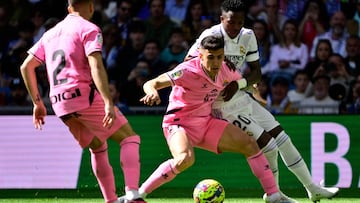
<point>309,49</point>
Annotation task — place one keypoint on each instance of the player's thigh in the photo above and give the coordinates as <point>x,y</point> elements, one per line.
<point>263,117</point>
<point>123,132</point>
<point>249,125</point>
<point>78,130</point>
<point>181,149</point>
<point>180,144</point>
<point>246,123</point>
<point>234,139</point>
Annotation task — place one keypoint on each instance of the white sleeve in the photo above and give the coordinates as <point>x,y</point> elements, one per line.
<point>253,53</point>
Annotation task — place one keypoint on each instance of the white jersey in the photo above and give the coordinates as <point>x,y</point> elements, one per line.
<point>242,48</point>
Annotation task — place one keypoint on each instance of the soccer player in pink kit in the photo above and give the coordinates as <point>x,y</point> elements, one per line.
<point>245,112</point>
<point>188,122</point>
<point>79,95</point>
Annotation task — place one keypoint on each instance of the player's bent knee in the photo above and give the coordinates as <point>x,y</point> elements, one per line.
<point>183,161</point>
<point>276,131</point>
<point>264,139</point>
<point>270,146</point>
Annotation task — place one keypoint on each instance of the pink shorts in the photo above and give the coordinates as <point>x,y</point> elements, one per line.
<point>203,132</point>
<point>87,124</point>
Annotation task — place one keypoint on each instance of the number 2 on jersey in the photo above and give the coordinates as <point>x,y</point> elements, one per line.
<point>59,67</point>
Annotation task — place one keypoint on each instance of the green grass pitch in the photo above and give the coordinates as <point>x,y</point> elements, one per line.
<point>161,196</point>
<point>163,200</point>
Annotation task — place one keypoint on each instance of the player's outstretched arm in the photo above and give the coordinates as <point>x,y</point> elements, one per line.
<point>151,88</point>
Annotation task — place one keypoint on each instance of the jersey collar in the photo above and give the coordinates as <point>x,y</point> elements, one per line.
<point>226,36</point>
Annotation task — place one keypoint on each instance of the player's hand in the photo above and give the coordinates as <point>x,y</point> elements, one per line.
<point>151,99</point>
<point>230,64</point>
<point>109,117</point>
<point>39,113</point>
<point>230,90</point>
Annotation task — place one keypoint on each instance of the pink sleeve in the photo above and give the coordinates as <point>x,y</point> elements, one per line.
<point>38,51</point>
<point>176,74</point>
<point>93,41</point>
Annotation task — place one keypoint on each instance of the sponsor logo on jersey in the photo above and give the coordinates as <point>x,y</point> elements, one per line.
<point>67,95</point>
<point>99,39</point>
<point>177,74</point>
<point>211,96</point>
<point>237,60</point>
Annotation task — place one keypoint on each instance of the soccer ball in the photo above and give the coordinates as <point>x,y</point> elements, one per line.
<point>209,191</point>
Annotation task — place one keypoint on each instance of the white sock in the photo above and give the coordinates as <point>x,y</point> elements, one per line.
<point>293,159</point>
<point>142,193</point>
<point>271,153</point>
<point>132,194</point>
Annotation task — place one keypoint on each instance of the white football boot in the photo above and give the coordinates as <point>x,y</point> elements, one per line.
<point>278,198</point>
<point>317,192</point>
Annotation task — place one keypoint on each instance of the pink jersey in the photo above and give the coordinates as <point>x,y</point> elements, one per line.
<point>64,50</point>
<point>193,91</point>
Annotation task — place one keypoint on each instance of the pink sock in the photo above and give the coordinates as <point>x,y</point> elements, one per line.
<point>260,168</point>
<point>163,174</point>
<point>130,162</point>
<point>104,173</point>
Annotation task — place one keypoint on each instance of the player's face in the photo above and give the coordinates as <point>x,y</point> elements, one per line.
<point>232,22</point>
<point>211,60</point>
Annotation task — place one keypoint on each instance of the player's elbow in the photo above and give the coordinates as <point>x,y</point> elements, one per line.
<point>24,68</point>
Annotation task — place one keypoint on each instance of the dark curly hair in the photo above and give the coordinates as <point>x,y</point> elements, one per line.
<point>233,5</point>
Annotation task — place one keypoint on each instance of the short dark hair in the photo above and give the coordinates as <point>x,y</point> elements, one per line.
<point>233,5</point>
<point>213,42</point>
<point>74,2</point>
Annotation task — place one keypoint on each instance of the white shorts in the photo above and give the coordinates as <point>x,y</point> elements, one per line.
<point>245,112</point>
